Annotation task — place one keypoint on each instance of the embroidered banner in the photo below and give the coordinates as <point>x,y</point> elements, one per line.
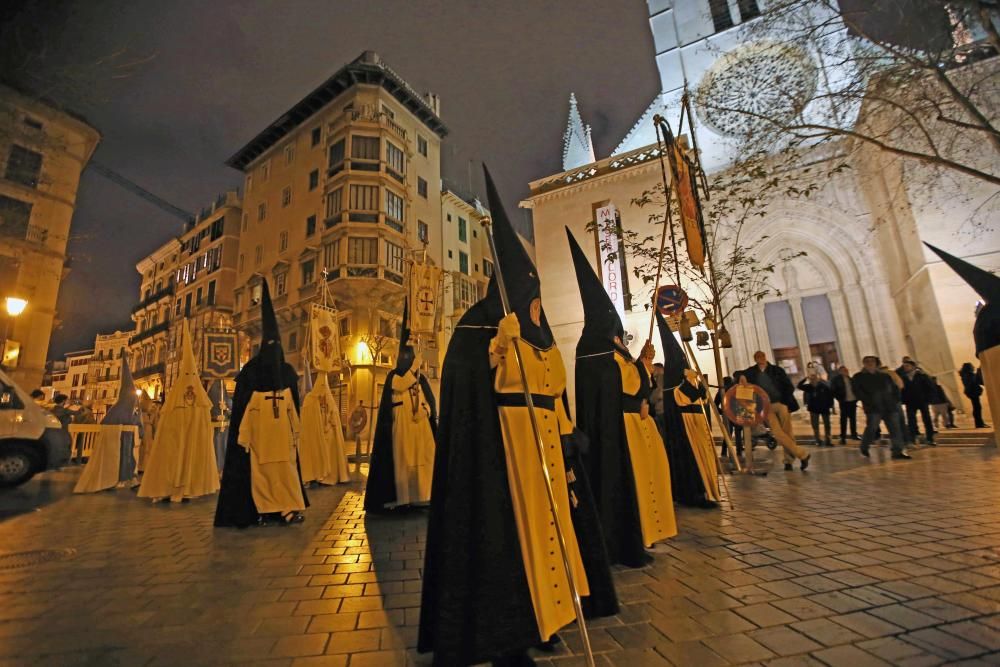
<point>220,357</point>
<point>685,188</point>
<point>425,286</point>
<point>324,336</point>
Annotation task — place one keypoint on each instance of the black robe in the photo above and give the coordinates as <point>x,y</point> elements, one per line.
<point>381,486</point>
<point>236,506</point>
<point>600,415</point>
<point>475,603</point>
<point>685,477</point>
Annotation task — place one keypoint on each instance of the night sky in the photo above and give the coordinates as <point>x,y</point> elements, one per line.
<point>218,72</point>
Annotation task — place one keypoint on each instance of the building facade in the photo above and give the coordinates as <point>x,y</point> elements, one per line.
<point>72,381</point>
<point>342,192</point>
<point>191,277</point>
<point>864,285</point>
<point>467,260</point>
<point>43,151</point>
<point>104,371</point>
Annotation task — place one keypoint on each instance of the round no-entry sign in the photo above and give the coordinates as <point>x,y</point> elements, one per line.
<point>671,300</point>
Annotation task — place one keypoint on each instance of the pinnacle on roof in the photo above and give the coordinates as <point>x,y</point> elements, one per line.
<point>578,149</point>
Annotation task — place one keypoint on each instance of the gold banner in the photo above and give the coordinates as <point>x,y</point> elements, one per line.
<point>425,281</point>
<point>324,337</point>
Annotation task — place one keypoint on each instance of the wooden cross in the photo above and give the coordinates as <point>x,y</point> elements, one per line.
<point>274,398</point>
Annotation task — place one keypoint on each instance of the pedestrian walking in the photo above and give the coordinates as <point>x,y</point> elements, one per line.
<point>818,397</point>
<point>780,391</point>
<point>941,406</point>
<point>880,397</point>
<point>843,391</point>
<point>918,390</point>
<point>972,387</point>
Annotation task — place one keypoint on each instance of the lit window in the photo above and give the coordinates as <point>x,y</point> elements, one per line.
<point>394,158</point>
<point>362,250</point>
<point>280,283</point>
<point>308,271</point>
<point>364,197</point>
<point>487,268</point>
<point>286,196</point>
<point>393,206</point>
<point>364,148</point>
<point>423,231</point>
<point>394,257</point>
<point>335,204</point>
<point>331,254</point>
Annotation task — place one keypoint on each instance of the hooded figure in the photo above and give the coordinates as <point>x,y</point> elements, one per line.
<point>112,461</point>
<point>694,470</point>
<point>986,331</point>
<point>626,462</point>
<point>182,463</point>
<point>494,582</point>
<point>260,479</point>
<point>321,450</point>
<point>402,458</point>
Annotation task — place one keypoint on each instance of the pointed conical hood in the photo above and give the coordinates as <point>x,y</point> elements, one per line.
<point>187,390</point>
<point>985,283</point>
<point>674,361</point>
<point>600,318</point>
<point>406,355</point>
<point>124,409</point>
<point>268,321</point>
<point>520,276</point>
<point>986,331</point>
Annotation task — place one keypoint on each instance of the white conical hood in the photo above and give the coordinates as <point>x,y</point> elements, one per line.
<point>187,389</point>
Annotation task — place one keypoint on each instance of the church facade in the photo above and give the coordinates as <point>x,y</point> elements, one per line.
<point>861,281</point>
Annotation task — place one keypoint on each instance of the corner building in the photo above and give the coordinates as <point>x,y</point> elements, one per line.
<point>343,188</point>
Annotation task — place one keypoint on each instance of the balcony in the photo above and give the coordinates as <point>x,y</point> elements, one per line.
<point>149,370</point>
<point>150,332</point>
<point>153,298</point>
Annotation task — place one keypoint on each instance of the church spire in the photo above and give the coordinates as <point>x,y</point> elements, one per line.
<point>578,149</point>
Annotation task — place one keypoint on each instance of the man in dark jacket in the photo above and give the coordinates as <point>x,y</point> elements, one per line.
<point>774,381</point>
<point>847,401</point>
<point>818,398</point>
<point>879,396</point>
<point>918,390</point>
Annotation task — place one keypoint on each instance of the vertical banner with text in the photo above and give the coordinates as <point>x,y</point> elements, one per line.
<point>609,248</point>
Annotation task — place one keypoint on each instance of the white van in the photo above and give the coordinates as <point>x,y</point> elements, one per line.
<point>31,438</point>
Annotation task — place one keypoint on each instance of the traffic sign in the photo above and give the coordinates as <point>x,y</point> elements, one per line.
<point>746,405</point>
<point>671,300</point>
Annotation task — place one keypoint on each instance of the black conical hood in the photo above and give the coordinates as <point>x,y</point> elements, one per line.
<point>985,283</point>
<point>674,361</point>
<point>520,276</point>
<point>406,355</point>
<point>268,321</point>
<point>600,318</point>
<point>986,331</point>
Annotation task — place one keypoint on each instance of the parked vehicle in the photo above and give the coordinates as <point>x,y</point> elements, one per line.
<point>31,439</point>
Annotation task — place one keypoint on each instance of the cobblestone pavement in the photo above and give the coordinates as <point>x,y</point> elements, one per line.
<point>854,562</point>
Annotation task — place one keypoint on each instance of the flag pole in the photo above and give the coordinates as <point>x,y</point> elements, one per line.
<point>529,403</point>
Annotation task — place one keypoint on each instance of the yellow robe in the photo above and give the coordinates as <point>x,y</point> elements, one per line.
<point>650,467</point>
<point>700,436</point>
<point>272,444</point>
<point>989,362</point>
<point>412,440</point>
<point>322,455</point>
<point>543,563</point>
<point>182,462</point>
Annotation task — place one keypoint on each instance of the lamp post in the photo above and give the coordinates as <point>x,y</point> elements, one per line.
<point>14,306</point>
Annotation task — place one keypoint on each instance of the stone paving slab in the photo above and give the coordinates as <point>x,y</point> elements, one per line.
<point>855,562</point>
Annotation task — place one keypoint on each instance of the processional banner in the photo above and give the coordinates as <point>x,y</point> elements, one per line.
<point>220,358</point>
<point>685,188</point>
<point>324,338</point>
<point>425,283</point>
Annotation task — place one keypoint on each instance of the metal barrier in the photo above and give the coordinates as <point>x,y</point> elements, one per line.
<point>83,437</point>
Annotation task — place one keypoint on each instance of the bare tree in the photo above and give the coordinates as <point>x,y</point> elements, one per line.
<point>738,197</point>
<point>915,79</point>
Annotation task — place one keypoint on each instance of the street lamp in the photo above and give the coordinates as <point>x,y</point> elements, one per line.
<point>14,307</point>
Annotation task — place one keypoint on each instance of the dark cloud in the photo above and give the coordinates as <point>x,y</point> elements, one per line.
<point>214,73</point>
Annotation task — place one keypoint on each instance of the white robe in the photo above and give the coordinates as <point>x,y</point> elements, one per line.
<point>322,455</point>
<point>272,443</point>
<point>412,441</point>
<point>182,462</point>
